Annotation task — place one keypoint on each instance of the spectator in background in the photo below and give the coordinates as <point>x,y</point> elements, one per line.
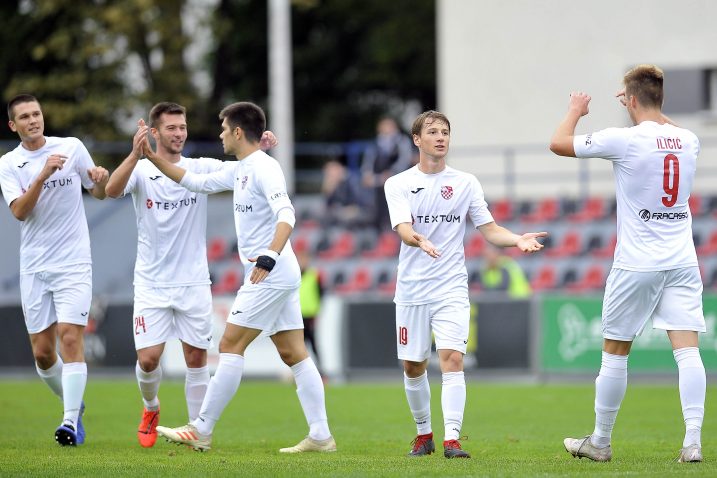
<point>500,273</point>
<point>310,293</point>
<point>345,198</point>
<point>391,153</point>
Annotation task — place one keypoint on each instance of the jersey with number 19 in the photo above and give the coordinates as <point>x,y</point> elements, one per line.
<point>437,205</point>
<point>654,166</point>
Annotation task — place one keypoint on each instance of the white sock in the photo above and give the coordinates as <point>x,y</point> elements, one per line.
<point>610,386</point>
<point>149,386</point>
<point>221,390</point>
<point>453,402</point>
<point>52,376</point>
<point>418,394</point>
<point>310,389</point>
<point>195,387</point>
<point>74,379</point>
<point>693,384</point>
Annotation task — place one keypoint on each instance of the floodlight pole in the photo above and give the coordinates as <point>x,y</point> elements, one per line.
<point>281,99</point>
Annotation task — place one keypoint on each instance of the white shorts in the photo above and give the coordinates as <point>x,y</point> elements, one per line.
<point>164,313</point>
<point>56,296</point>
<point>268,310</point>
<point>447,319</point>
<point>672,299</point>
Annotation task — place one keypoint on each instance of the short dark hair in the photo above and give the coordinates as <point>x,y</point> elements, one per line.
<point>426,115</point>
<point>646,83</point>
<point>247,116</point>
<point>21,98</point>
<point>165,107</point>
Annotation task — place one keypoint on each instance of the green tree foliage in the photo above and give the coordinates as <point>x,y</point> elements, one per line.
<point>354,60</point>
<point>74,56</point>
<point>97,64</point>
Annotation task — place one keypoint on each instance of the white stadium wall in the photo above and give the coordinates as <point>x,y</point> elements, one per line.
<point>505,69</point>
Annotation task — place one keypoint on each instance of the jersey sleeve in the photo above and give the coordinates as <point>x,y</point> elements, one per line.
<point>478,209</point>
<point>399,208</point>
<point>273,186</point>
<point>83,164</point>
<point>209,183</point>
<point>608,143</point>
<point>211,165</point>
<point>132,182</point>
<point>9,183</point>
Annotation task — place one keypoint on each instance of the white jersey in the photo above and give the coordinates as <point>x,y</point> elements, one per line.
<point>437,205</point>
<point>171,225</point>
<point>55,233</point>
<point>654,168</point>
<point>259,194</point>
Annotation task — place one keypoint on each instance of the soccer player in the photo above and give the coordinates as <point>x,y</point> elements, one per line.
<point>172,296</point>
<point>42,181</point>
<point>655,276</point>
<point>433,200</point>
<point>269,299</point>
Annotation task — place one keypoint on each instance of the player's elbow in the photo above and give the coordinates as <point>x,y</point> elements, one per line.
<point>113,192</point>
<point>561,147</point>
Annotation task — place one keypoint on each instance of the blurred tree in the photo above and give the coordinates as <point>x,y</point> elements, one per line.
<point>94,63</point>
<point>354,60</point>
<point>98,64</point>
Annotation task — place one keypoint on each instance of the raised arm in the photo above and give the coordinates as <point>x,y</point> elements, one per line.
<point>120,177</point>
<point>22,207</point>
<point>562,141</point>
<point>502,237</point>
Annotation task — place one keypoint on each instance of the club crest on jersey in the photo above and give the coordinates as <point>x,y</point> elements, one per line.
<point>150,203</point>
<point>446,192</point>
<point>244,181</point>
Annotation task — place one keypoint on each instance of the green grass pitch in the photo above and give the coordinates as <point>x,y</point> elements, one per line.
<point>513,430</point>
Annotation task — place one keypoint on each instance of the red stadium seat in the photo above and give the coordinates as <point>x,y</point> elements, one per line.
<point>502,210</point>
<point>216,249</point>
<point>696,205</point>
<point>592,279</point>
<point>546,210</point>
<point>608,250</point>
<point>545,278</point>
<point>361,281</point>
<point>710,247</point>
<point>386,246</point>
<point>342,247</point>
<point>570,245</point>
<point>593,209</point>
<point>475,245</point>
<point>229,283</point>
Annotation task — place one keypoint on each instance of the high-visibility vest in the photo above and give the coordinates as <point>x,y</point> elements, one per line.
<point>310,293</point>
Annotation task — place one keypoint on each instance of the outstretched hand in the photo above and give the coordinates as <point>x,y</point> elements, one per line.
<point>528,242</point>
<point>426,245</point>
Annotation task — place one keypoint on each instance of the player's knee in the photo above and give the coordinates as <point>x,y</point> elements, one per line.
<point>452,362</point>
<point>291,357</point>
<point>45,356</point>
<point>148,363</point>
<point>414,369</point>
<point>196,358</point>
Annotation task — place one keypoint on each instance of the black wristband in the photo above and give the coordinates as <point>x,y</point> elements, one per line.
<point>265,262</point>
